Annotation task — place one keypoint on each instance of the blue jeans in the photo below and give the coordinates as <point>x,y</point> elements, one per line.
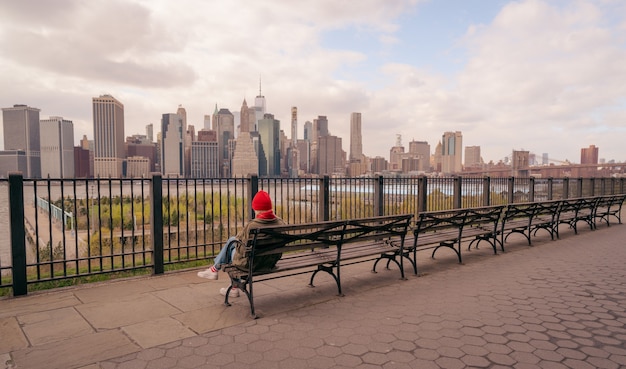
<point>226,254</point>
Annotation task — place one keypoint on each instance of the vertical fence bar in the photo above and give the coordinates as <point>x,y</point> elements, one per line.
<point>580,188</point>
<point>456,198</point>
<point>156,222</point>
<point>18,233</point>
<point>550,189</point>
<point>511,190</point>
<point>566,188</point>
<point>531,189</point>
<point>422,197</point>
<point>253,188</point>
<point>324,199</point>
<point>486,191</point>
<point>379,196</point>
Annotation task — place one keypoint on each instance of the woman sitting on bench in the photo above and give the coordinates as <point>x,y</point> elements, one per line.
<point>232,254</point>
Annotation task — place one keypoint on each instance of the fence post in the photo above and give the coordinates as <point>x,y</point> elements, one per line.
<point>592,182</point>
<point>580,187</point>
<point>156,222</point>
<point>422,197</point>
<point>531,189</point>
<point>486,191</point>
<point>566,188</point>
<point>18,234</point>
<point>253,188</point>
<point>550,188</point>
<point>511,193</point>
<point>457,197</point>
<point>324,199</point>
<point>379,197</point>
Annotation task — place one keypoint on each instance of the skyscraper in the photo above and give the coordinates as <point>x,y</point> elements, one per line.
<point>21,132</point>
<point>294,126</point>
<point>451,155</point>
<point>245,161</point>
<point>224,124</point>
<point>421,151</point>
<point>173,134</point>
<point>356,139</point>
<point>331,157</point>
<point>269,151</point>
<point>108,134</point>
<point>57,148</point>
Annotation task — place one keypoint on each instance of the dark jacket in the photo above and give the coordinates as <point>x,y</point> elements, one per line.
<point>261,263</point>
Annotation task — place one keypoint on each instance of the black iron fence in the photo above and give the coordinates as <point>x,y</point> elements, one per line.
<point>63,229</point>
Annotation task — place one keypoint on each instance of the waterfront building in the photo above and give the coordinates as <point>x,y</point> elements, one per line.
<point>451,155</point>
<point>356,138</point>
<point>204,159</point>
<point>21,133</point>
<point>245,160</point>
<point>12,161</point>
<point>589,155</point>
<point>81,162</point>
<point>396,154</point>
<point>108,128</point>
<point>473,161</point>
<point>269,149</point>
<point>172,145</point>
<point>331,157</point>
<point>224,125</point>
<point>379,164</point>
<point>421,150</point>
<point>57,148</point>
<point>138,167</point>
<point>140,145</point>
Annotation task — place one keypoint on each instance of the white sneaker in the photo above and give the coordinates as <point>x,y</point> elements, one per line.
<point>234,292</point>
<point>209,273</point>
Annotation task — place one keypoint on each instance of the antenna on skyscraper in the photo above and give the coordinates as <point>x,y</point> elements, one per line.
<point>260,94</point>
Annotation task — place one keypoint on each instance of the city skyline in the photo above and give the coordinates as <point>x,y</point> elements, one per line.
<point>543,76</point>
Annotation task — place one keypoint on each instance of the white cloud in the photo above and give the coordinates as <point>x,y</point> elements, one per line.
<point>533,72</point>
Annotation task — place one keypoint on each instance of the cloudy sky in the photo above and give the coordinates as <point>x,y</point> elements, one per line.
<point>548,76</point>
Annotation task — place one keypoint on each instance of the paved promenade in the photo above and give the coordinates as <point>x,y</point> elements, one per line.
<point>557,304</point>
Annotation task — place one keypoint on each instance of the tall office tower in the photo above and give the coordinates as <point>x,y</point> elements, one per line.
<point>589,155</point>
<point>207,122</point>
<point>396,154</point>
<point>436,160</point>
<point>304,149</point>
<point>356,139</point>
<point>331,157</point>
<point>544,159</point>
<point>294,126</point>
<point>451,154</point>
<point>259,101</point>
<point>245,160</point>
<point>224,124</point>
<point>269,150</point>
<point>108,134</point>
<point>190,136</point>
<point>150,132</point>
<point>57,148</point>
<point>204,158</point>
<point>320,127</point>
<point>308,131</point>
<point>472,157</point>
<point>21,132</point>
<point>421,150</point>
<point>172,145</point>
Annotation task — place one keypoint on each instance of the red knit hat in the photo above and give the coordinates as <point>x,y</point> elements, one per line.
<point>262,201</point>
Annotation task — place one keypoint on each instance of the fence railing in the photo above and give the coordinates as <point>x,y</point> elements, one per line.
<point>158,223</point>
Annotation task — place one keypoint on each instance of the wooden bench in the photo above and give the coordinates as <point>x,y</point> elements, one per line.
<point>527,219</point>
<point>448,228</point>
<point>607,207</point>
<point>573,211</point>
<point>320,247</point>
